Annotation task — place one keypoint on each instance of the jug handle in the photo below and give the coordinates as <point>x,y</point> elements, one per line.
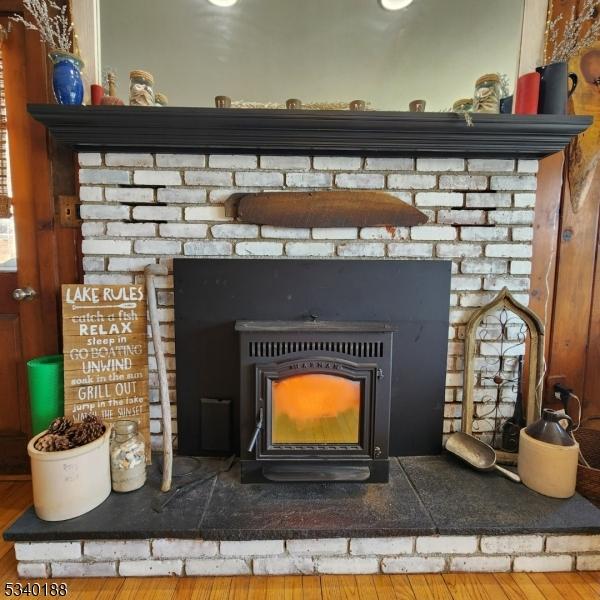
<point>574,80</point>
<point>566,417</point>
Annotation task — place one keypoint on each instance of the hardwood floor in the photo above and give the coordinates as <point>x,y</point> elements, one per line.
<point>15,496</point>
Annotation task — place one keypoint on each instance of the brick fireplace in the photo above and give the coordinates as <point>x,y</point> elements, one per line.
<point>143,208</point>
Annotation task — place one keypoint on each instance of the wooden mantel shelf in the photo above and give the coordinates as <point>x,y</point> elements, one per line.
<point>172,129</point>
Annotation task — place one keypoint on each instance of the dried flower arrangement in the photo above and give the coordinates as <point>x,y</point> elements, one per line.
<point>578,33</point>
<point>63,434</point>
<point>50,21</point>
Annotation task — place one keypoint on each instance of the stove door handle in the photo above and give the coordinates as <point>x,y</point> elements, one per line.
<point>259,425</point>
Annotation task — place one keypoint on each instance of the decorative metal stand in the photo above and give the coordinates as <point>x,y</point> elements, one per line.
<point>504,357</point>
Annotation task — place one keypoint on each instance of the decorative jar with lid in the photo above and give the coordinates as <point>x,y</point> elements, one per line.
<point>141,88</point>
<point>127,457</point>
<point>487,94</point>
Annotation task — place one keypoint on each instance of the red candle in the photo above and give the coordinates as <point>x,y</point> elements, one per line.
<point>528,93</point>
<point>97,93</point>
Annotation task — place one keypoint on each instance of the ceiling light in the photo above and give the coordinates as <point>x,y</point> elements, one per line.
<point>223,3</point>
<point>393,4</point>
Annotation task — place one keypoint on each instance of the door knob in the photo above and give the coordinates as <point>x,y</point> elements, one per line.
<point>26,293</point>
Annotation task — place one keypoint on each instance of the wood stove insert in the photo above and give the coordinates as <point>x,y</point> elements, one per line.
<point>314,400</point>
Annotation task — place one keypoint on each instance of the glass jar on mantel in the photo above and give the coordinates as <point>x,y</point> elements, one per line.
<point>141,88</point>
<point>487,94</point>
<point>127,457</point>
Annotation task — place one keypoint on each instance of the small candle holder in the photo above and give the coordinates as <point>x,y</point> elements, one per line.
<point>222,101</point>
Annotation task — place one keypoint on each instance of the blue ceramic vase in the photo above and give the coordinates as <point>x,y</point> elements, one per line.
<point>66,79</point>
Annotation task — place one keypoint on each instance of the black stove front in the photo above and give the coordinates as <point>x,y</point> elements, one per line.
<point>314,400</point>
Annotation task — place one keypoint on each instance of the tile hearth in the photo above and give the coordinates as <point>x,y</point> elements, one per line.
<point>434,515</point>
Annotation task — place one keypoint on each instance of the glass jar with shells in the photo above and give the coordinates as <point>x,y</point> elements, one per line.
<point>127,457</point>
<point>141,88</point>
<point>487,94</point>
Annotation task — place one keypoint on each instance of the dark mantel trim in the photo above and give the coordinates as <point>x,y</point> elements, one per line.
<point>172,129</point>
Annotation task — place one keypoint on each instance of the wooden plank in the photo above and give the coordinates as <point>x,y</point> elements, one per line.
<point>593,580</point>
<point>465,585</point>
<point>194,588</point>
<point>429,586</point>
<point>547,589</point>
<point>257,590</point>
<point>518,586</point>
<point>572,584</point>
<point>490,586</point>
<point>275,588</point>
<point>311,588</point>
<point>331,587</point>
<point>388,589</point>
<point>239,588</point>
<point>293,587</point>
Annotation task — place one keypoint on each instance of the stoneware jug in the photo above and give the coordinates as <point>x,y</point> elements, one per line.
<point>548,456</point>
<point>554,88</point>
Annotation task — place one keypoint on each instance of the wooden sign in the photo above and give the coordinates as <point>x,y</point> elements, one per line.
<point>106,353</point>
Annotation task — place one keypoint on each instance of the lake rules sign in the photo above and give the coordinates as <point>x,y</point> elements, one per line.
<point>106,353</point>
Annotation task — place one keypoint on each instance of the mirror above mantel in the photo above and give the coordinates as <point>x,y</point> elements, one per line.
<point>319,51</point>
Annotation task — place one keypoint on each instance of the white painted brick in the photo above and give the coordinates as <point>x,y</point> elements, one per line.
<point>511,544</point>
<point>313,547</point>
<point>181,195</point>
<point>131,229</point>
<point>410,250</point>
<point>107,176</point>
<point>183,230</point>
<point>465,282</point>
<point>509,250</point>
<point>216,566</point>
<point>389,164</point>
<point>360,181</point>
<point>463,182</point>
<point>520,267</point>
<point>93,263</point>
<point>35,570</point>
<point>513,182</point>
<point>105,279</point>
<point>251,548</point>
<point>259,248</point>
<point>116,549</point>
<point>524,200</point>
<point>439,199</point>
<point>488,200</point>
<point>458,250</point>
<point>543,563</point>
<point>522,234</point>
<point>180,160</point>
<point>361,249</point>
<point>177,548</point>
<point>206,213</point>
<point>573,543</point>
<point>447,544</point>
<point>218,178</point>
<point>89,159</point>
<point>309,249</point>
<point>308,180</point>
<point>285,162</point>
<point>157,178</point>
<point>232,161</point>
<point>157,213</point>
<point>346,565</point>
<point>491,165</point>
<point>511,217</point>
<point>484,266</point>
<point>150,568</point>
<point>129,264</point>
<point>90,193</point>
<point>121,159</point>
<point>379,546</point>
<point>234,230</point>
<point>84,569</point>
<point>259,178</point>
<point>480,564</point>
<point>440,164</point>
<point>414,564</point>
<point>89,211</point>
<point>411,181</point>
<point>588,562</point>
<point>425,232</point>
<point>461,217</point>
<point>207,248</point>
<point>477,234</point>
<point>283,565</point>
<point>106,247</point>
<point>452,411</point>
<point>476,300</point>
<point>334,163</point>
<point>92,229</point>
<point>287,233</point>
<point>384,233</point>
<point>131,195</point>
<point>335,233</point>
<point>157,247</point>
<point>528,166</point>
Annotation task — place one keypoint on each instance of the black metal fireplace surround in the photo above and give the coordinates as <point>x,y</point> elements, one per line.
<point>311,370</point>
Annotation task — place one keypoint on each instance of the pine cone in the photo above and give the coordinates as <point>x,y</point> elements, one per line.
<point>90,429</point>
<point>53,443</point>
<point>60,425</point>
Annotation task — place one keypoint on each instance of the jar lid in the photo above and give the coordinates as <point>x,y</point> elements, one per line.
<point>463,102</point>
<point>125,427</point>
<point>491,77</point>
<point>142,75</point>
